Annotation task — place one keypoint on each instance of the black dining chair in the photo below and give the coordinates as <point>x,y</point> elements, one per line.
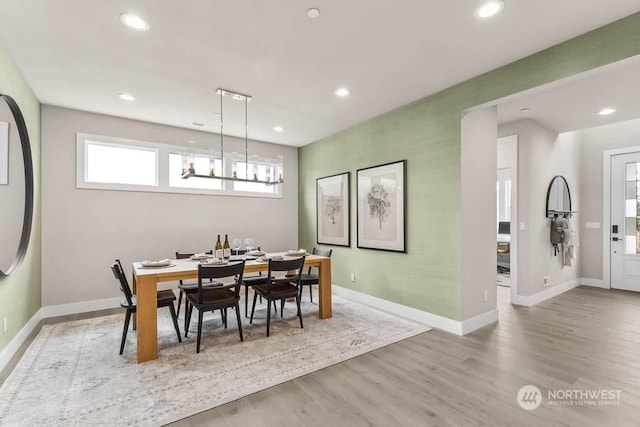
<point>250,281</point>
<point>190,287</point>
<point>220,297</point>
<point>130,303</point>
<point>280,288</point>
<point>309,279</point>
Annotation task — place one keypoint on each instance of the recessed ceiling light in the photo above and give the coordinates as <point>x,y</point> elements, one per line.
<point>525,110</point>
<point>342,91</point>
<point>278,129</point>
<point>126,97</point>
<point>489,8</point>
<point>607,111</point>
<point>134,21</point>
<point>313,13</point>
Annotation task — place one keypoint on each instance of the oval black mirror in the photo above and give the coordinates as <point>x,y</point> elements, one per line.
<point>558,197</point>
<point>16,186</point>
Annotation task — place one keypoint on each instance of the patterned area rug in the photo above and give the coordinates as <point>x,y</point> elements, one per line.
<point>504,279</point>
<point>72,373</point>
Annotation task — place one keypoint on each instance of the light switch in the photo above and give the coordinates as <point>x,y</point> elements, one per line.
<point>522,226</point>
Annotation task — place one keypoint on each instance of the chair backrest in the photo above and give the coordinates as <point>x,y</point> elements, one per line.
<point>321,252</point>
<point>118,273</point>
<point>184,255</point>
<point>287,265</point>
<point>234,270</point>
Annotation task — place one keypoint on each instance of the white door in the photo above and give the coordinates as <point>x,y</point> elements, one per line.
<point>625,221</point>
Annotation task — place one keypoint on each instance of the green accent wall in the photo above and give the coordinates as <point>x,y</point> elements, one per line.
<point>20,292</point>
<point>427,134</point>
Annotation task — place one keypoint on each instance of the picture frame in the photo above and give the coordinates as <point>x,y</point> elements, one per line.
<point>333,209</point>
<point>381,201</point>
<point>4,153</point>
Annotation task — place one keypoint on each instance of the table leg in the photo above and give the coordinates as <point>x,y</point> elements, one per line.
<point>324,289</point>
<point>147,319</point>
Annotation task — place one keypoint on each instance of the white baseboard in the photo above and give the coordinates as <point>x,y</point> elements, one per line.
<point>423,317</point>
<point>594,283</point>
<point>534,299</point>
<point>14,345</point>
<point>479,321</point>
<point>52,311</point>
<point>80,307</point>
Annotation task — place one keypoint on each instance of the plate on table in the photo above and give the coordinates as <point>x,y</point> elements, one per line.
<point>215,262</point>
<point>256,253</point>
<point>200,257</point>
<point>156,264</point>
<point>299,252</point>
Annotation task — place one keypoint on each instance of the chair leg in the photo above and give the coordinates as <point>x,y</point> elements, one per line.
<point>275,307</point>
<point>246,301</point>
<point>253,307</point>
<point>200,313</point>
<point>188,308</point>
<point>127,318</point>
<point>311,292</point>
<point>281,307</point>
<point>174,317</point>
<point>186,321</point>
<point>179,302</point>
<point>299,312</point>
<point>239,322</point>
<point>224,311</point>
<point>269,315</point>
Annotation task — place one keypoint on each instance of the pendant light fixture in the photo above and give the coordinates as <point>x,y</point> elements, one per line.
<point>188,170</point>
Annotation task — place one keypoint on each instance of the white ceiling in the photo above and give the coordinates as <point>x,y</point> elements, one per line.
<point>77,54</point>
<point>574,104</point>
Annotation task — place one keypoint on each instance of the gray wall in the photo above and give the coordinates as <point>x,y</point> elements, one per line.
<point>594,142</point>
<point>542,154</point>
<point>83,231</point>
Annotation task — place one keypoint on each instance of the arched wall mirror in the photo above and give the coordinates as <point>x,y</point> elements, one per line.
<point>16,186</point>
<point>558,197</point>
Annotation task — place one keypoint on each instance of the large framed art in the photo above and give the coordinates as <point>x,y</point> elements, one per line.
<point>381,207</point>
<point>332,210</point>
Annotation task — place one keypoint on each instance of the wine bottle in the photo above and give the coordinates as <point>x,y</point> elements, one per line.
<point>218,252</point>
<point>226,249</point>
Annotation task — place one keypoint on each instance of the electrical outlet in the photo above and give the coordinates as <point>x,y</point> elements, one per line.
<point>486,296</point>
<point>523,226</point>
<point>353,277</point>
<point>546,281</point>
<point>5,325</point>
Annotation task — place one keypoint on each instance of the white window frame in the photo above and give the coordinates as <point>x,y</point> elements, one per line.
<point>162,168</point>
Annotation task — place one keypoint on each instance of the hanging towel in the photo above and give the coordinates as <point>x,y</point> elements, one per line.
<point>571,244</point>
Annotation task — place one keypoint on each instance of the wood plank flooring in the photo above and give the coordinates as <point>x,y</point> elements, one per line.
<point>585,339</point>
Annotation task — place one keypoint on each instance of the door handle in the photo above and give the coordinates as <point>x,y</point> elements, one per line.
<point>615,239</point>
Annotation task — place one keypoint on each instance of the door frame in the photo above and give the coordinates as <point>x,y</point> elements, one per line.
<point>513,245</point>
<point>606,210</point>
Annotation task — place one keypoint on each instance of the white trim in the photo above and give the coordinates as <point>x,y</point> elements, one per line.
<point>594,283</point>
<point>515,223</point>
<point>534,299</point>
<point>606,210</point>
<point>479,321</point>
<point>423,317</point>
<point>80,307</point>
<point>14,345</point>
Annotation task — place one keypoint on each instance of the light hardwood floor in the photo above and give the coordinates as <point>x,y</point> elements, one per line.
<point>584,339</point>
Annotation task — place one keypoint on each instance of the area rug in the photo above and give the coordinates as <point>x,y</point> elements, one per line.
<point>72,373</point>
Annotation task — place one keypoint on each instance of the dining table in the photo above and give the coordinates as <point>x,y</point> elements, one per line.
<point>145,283</point>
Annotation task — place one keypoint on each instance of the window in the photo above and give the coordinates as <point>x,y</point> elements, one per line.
<point>120,164</point>
<point>113,164</point>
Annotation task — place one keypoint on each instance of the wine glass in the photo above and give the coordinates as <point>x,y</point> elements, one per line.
<point>248,244</point>
<point>237,244</point>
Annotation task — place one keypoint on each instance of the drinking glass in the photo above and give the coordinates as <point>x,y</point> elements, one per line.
<point>248,244</point>
<point>237,244</point>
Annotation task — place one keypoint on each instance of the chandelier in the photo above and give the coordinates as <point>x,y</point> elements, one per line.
<point>188,169</point>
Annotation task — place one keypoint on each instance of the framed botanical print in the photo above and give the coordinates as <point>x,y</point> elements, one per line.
<point>381,207</point>
<point>332,210</point>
